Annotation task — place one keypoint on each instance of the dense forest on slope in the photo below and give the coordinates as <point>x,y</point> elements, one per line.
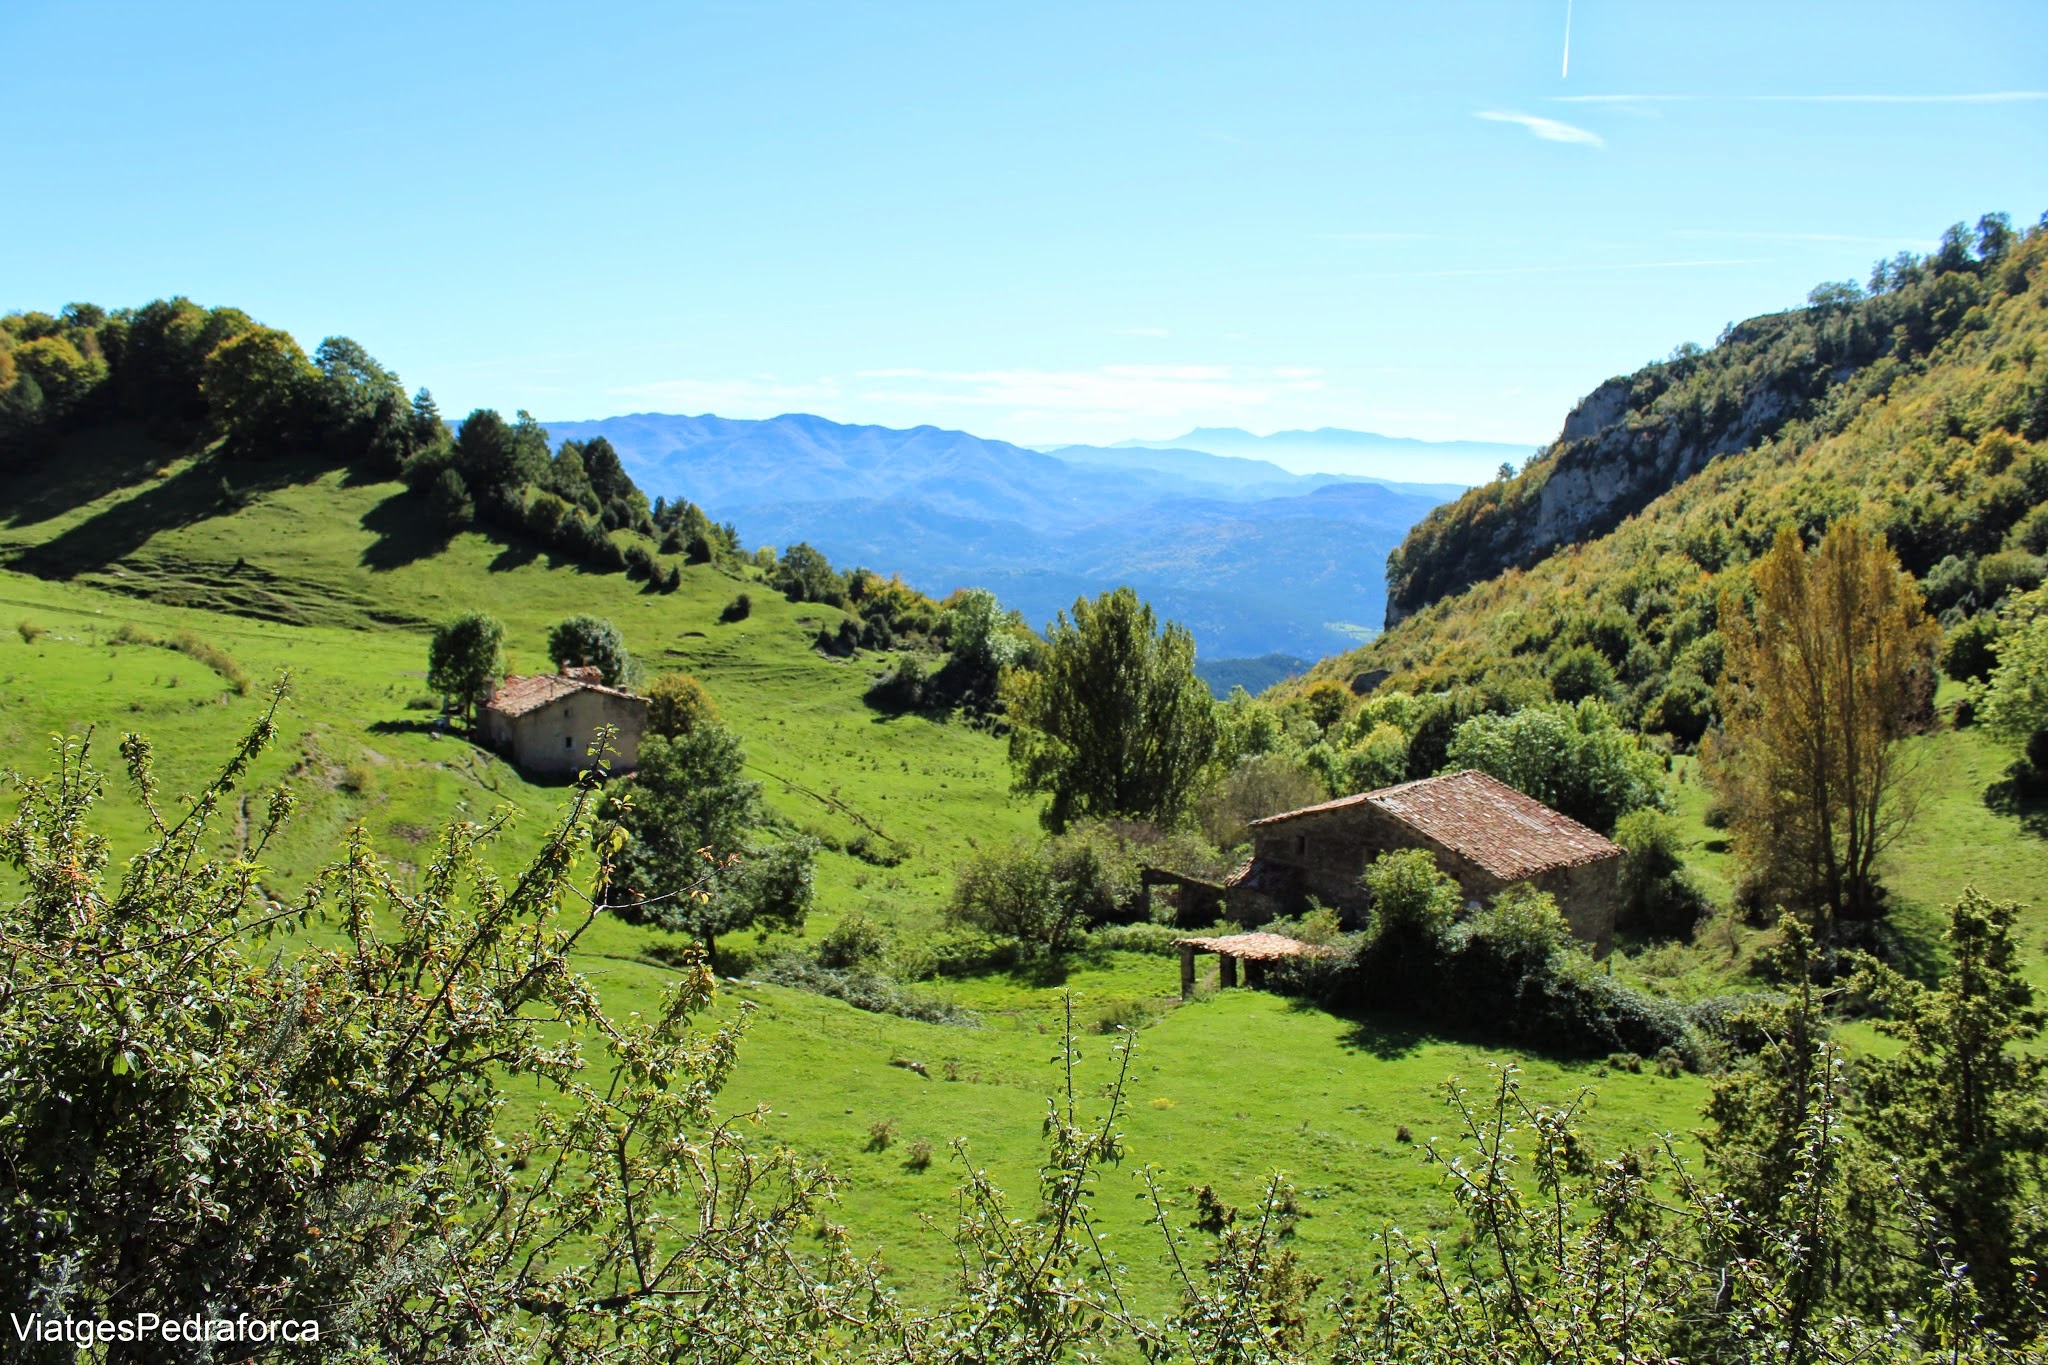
<point>1794,377</point>
<point>1931,439</point>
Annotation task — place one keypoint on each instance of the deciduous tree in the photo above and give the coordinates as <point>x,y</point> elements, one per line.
<point>260,389</point>
<point>677,704</point>
<point>691,863</point>
<point>591,641</point>
<point>1114,720</point>
<point>465,660</point>
<point>1575,759</point>
<point>2016,704</point>
<point>1826,673</point>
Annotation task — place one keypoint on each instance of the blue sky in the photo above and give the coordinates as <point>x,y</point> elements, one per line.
<point>1040,221</point>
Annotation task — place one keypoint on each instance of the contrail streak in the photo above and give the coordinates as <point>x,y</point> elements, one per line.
<point>1567,41</point>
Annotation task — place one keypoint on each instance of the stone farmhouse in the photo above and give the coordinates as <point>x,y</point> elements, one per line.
<point>546,723</point>
<point>1483,833</point>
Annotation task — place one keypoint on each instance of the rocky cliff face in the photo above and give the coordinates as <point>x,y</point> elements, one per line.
<point>1609,463</point>
<point>1624,444</point>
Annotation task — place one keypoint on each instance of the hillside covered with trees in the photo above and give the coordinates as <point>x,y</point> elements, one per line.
<point>1600,568</point>
<point>1788,379</point>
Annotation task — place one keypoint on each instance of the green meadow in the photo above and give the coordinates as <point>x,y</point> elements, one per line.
<point>336,583</point>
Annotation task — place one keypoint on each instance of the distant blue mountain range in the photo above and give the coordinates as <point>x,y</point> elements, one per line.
<point>1332,450</point>
<point>1253,558</point>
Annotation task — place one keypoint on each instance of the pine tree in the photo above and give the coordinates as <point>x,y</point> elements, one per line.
<point>1961,1106</point>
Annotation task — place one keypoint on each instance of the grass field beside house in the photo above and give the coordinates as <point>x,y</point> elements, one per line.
<point>337,582</point>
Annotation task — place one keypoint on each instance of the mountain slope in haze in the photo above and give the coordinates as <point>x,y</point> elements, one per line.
<point>1940,442</point>
<point>1247,474</point>
<point>1253,559</point>
<point>1360,454</point>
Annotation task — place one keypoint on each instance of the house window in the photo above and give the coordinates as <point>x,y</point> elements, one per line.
<point>1300,843</point>
<point>568,741</point>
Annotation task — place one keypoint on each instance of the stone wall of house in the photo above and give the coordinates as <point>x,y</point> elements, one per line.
<point>1326,854</point>
<point>554,740</point>
<point>1590,896</point>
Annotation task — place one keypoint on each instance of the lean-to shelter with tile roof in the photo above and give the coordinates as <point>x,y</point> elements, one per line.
<point>545,722</point>
<point>1482,832</point>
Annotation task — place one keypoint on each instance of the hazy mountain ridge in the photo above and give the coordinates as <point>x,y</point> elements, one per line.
<point>1254,559</point>
<point>1357,454</point>
<point>1250,475</point>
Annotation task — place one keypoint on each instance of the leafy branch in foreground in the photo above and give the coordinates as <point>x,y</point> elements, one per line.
<point>198,1124</point>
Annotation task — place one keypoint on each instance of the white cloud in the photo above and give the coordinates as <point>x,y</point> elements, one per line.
<point>1549,129</point>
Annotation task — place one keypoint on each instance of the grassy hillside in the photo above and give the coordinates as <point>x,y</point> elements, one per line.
<point>334,580</point>
<point>337,580</point>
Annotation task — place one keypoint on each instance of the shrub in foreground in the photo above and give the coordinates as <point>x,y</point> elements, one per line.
<point>1511,971</point>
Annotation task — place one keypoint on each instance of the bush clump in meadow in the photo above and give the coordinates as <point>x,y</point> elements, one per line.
<point>1123,1015</point>
<point>862,988</point>
<point>1660,898</point>
<point>214,657</point>
<point>29,631</point>
<point>853,942</point>
<point>1142,937</point>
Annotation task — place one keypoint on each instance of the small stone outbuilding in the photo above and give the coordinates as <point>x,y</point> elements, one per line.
<point>545,723</point>
<point>1483,833</point>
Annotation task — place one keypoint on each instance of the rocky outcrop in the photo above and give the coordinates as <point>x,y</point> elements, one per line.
<point>1624,444</point>
<point>1618,466</point>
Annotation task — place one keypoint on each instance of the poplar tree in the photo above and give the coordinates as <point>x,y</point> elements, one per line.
<point>1827,672</point>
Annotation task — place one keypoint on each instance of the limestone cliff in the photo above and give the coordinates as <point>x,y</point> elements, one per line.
<point>1636,436</point>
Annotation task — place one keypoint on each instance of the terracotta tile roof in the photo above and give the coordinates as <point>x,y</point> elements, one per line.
<point>1510,835</point>
<point>520,695</point>
<point>1256,947</point>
